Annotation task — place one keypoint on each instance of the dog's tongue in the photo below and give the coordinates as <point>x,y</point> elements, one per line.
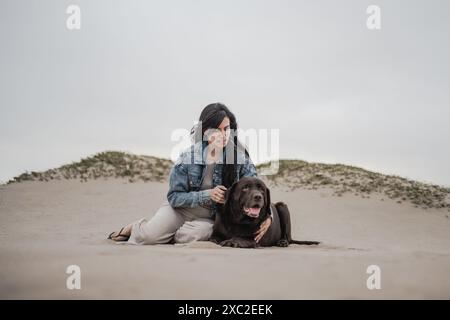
<point>254,212</point>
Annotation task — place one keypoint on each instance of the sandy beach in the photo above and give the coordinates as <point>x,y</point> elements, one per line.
<point>47,226</point>
<point>342,109</point>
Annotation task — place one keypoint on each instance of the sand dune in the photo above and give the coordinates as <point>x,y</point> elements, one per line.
<point>46,226</point>
<point>291,175</point>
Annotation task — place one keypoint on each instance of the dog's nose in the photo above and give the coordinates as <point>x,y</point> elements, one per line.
<point>257,197</point>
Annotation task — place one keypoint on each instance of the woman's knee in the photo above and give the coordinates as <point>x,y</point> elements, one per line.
<point>154,239</point>
<point>142,234</point>
<point>196,230</point>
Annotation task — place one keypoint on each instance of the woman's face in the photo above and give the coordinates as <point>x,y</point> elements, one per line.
<point>220,136</point>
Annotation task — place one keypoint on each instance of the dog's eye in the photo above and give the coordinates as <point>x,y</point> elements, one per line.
<point>245,188</point>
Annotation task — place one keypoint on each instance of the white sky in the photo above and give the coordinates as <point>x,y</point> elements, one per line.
<point>138,70</point>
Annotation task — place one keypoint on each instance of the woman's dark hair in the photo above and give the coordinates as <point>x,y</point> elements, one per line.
<point>210,118</point>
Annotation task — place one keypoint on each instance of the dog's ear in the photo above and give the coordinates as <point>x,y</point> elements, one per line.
<point>229,196</point>
<point>227,207</point>
<point>267,201</point>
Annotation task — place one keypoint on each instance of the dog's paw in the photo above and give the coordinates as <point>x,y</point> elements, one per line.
<point>214,240</point>
<point>230,243</point>
<point>282,243</point>
<point>238,243</point>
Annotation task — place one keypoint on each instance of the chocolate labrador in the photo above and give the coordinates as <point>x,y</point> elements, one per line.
<point>247,205</point>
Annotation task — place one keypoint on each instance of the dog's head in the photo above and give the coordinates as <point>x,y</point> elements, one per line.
<point>248,198</point>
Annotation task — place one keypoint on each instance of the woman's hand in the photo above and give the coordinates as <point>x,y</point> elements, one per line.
<point>218,194</point>
<point>263,229</point>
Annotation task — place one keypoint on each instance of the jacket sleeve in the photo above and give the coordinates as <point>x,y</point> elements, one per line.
<point>179,194</point>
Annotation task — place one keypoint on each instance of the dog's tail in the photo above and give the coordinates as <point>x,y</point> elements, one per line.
<point>308,243</point>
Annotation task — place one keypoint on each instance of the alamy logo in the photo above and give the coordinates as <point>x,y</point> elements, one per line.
<point>74,280</point>
<point>263,144</point>
<point>374,19</point>
<point>73,22</point>
<point>374,280</point>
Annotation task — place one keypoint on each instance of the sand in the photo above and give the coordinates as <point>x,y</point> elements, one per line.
<point>47,226</point>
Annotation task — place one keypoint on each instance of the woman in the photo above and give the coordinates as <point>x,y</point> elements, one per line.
<point>198,182</point>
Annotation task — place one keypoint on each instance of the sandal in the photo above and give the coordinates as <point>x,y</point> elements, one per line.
<point>125,237</point>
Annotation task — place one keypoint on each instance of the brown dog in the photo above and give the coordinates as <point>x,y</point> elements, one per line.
<point>247,205</point>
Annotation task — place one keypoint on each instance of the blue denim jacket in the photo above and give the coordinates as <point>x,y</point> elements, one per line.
<point>186,177</point>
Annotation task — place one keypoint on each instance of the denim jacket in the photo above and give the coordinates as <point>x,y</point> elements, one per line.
<point>186,177</point>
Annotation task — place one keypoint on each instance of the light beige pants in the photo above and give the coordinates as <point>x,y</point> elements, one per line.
<point>168,225</point>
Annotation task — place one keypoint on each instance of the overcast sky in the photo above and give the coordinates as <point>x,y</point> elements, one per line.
<point>138,70</point>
